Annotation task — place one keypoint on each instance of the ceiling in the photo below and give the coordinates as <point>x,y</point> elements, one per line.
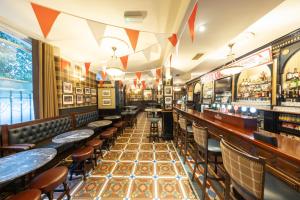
<point>224,21</point>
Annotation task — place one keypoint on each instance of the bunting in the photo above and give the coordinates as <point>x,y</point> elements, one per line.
<point>101,83</point>
<point>98,77</point>
<point>134,82</point>
<point>103,74</point>
<point>144,84</point>
<point>147,53</point>
<point>45,16</point>
<point>173,39</point>
<point>138,75</point>
<point>158,73</point>
<point>124,60</point>
<point>64,63</point>
<point>87,67</point>
<point>133,36</point>
<point>192,22</point>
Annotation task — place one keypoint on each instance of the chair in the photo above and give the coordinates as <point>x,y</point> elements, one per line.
<point>206,146</point>
<point>176,127</point>
<point>48,181</point>
<point>186,135</point>
<point>30,194</point>
<point>154,129</point>
<point>246,174</point>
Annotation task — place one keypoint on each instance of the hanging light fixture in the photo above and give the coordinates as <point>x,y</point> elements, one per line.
<point>231,69</point>
<point>113,68</point>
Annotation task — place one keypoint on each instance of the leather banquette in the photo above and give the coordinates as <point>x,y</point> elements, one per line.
<point>82,119</point>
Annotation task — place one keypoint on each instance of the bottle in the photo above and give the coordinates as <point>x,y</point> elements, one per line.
<point>289,75</point>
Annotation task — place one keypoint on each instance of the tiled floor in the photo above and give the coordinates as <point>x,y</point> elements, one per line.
<point>137,169</point>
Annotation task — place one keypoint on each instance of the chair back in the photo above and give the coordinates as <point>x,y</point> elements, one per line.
<point>182,123</point>
<point>175,117</point>
<point>200,135</point>
<point>244,170</point>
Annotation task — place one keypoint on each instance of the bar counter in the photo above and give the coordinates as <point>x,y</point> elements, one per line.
<point>282,161</point>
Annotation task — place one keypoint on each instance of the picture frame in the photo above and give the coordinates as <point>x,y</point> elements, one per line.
<point>78,90</point>
<point>168,90</point>
<point>168,100</point>
<point>68,100</point>
<point>79,99</point>
<point>87,99</point>
<point>168,107</point>
<point>87,90</point>
<point>106,102</point>
<point>106,93</point>
<point>93,91</point>
<point>94,100</point>
<point>67,88</point>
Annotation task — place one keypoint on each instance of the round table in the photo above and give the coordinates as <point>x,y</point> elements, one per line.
<point>73,136</point>
<point>113,117</point>
<point>99,124</point>
<point>22,163</point>
<point>128,108</point>
<point>153,110</point>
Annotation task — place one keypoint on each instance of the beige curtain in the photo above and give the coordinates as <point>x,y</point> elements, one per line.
<point>45,86</point>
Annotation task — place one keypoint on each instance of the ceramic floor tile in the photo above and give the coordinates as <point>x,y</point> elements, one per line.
<point>174,156</point>
<point>123,169</point>
<point>104,168</point>
<point>188,189</point>
<point>118,146</point>
<point>146,147</point>
<point>129,155</point>
<point>144,169</point>
<point>135,140</point>
<point>132,147</point>
<point>180,169</point>
<point>142,188</point>
<point>145,156</point>
<point>161,147</point>
<point>168,188</point>
<point>116,188</point>
<point>112,155</point>
<point>162,156</point>
<point>122,140</point>
<point>165,169</point>
<point>89,188</point>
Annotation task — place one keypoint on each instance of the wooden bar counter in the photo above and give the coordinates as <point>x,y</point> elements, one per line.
<point>282,161</point>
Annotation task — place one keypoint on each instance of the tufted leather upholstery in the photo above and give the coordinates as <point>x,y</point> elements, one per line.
<point>38,132</point>
<point>83,119</point>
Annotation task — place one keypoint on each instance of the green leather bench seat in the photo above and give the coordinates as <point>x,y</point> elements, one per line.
<point>83,119</point>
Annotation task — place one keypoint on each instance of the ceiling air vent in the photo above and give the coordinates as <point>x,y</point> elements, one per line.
<point>135,16</point>
<point>197,56</point>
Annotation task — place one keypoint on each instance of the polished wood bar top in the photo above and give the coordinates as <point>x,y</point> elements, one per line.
<point>231,114</point>
<point>288,148</point>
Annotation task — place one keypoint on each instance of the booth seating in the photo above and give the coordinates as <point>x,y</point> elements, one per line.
<point>30,194</point>
<point>36,133</point>
<point>48,181</point>
<point>81,120</point>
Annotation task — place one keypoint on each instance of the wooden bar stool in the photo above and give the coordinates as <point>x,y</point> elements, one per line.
<point>48,181</point>
<point>154,129</point>
<point>205,146</point>
<point>120,126</point>
<point>107,136</point>
<point>30,194</point>
<point>176,127</point>
<point>96,144</point>
<point>186,133</point>
<point>80,157</point>
<point>246,176</point>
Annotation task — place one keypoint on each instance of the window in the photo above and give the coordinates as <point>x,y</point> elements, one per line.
<point>16,99</point>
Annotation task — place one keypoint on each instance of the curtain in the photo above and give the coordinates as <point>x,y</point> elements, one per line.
<point>44,83</point>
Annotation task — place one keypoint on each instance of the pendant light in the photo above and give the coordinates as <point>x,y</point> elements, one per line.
<point>231,69</point>
<point>113,68</point>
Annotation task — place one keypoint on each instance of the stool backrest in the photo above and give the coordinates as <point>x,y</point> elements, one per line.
<point>175,116</point>
<point>182,123</point>
<point>200,135</point>
<point>246,171</point>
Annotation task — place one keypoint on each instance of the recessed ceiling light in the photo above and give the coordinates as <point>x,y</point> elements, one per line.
<point>202,28</point>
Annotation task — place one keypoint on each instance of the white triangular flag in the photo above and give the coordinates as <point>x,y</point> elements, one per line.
<point>97,29</point>
<point>147,53</point>
<point>161,39</point>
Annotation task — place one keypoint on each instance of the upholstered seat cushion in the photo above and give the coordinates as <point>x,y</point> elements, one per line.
<point>50,179</point>
<point>106,134</point>
<point>113,129</point>
<point>82,154</point>
<point>31,194</point>
<point>214,145</point>
<point>274,189</point>
<point>95,143</point>
<point>118,124</point>
<point>155,120</point>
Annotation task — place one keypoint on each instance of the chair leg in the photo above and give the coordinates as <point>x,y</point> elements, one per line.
<point>195,168</point>
<point>67,190</point>
<point>204,176</point>
<point>50,195</point>
<point>185,147</point>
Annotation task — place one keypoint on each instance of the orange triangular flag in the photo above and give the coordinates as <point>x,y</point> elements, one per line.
<point>133,36</point>
<point>124,60</point>
<point>64,63</point>
<point>45,16</point>
<point>138,75</point>
<point>87,67</point>
<point>173,39</point>
<point>103,74</point>
<point>135,82</point>
<point>192,22</point>
<point>101,83</point>
<point>158,73</point>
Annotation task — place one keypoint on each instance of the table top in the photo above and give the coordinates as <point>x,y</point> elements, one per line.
<point>153,109</point>
<point>112,117</point>
<point>73,136</point>
<point>100,123</point>
<point>128,113</point>
<point>22,163</point>
<point>130,107</point>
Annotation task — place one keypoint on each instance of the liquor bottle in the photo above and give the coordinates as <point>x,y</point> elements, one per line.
<point>295,74</point>
<point>289,76</point>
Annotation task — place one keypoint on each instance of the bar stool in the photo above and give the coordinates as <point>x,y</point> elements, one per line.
<point>176,127</point>
<point>248,179</point>
<point>80,157</point>
<point>96,144</point>
<point>107,136</point>
<point>207,146</point>
<point>120,126</point>
<point>30,194</point>
<point>154,129</point>
<point>186,132</point>
<point>48,181</point>
<point>115,131</point>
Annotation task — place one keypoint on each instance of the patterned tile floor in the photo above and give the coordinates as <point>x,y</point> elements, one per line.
<point>137,169</point>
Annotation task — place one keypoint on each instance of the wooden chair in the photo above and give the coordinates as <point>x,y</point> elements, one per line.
<point>186,135</point>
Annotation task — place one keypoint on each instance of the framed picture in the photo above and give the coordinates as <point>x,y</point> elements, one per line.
<point>168,90</point>
<point>87,90</point>
<point>67,87</point>
<point>106,102</point>
<point>106,93</point>
<point>168,106</point>
<point>79,90</point>
<point>168,100</point>
<point>79,99</point>
<point>68,99</point>
<point>93,91</point>
<point>94,100</point>
<point>87,99</point>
